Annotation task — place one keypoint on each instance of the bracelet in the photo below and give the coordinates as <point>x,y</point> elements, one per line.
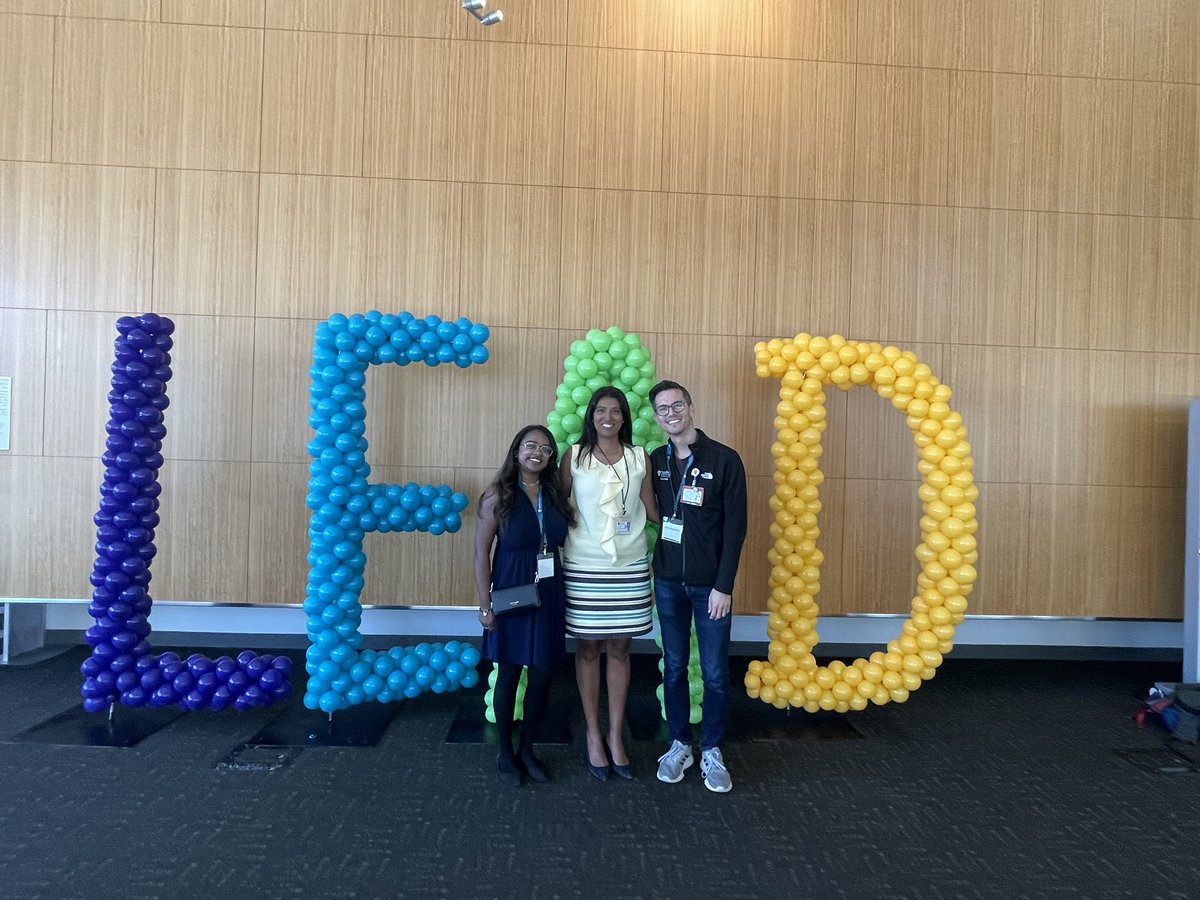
<point>486,611</point>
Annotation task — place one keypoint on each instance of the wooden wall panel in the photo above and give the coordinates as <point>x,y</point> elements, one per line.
<point>48,539</point>
<point>709,264</point>
<point>80,237</point>
<point>204,538</point>
<point>1075,535</point>
<point>313,90</point>
<point>279,398</point>
<point>823,29</point>
<point>880,532</point>
<point>277,568</point>
<point>312,234</point>
<point>613,245</point>
<point>802,267</point>
<point>510,254</point>
<point>1083,282</point>
<point>708,140</point>
<point>1165,177</point>
<point>901,118</point>
<point>1159,386</point>
<point>414,247</point>
<point>319,15</point>
<point>205,242</point>
<point>139,94</point>
<point>213,364</point>
<point>1004,545</point>
<point>1167,42</point>
<point>614,119</point>
<point>23,357</point>
<point>242,13</point>
<point>1088,37</point>
<point>143,10</point>
<point>1010,188</point>
<point>26,80</point>
<point>803,129</point>
<point>482,111</point>
<point>79,351</point>
<point>722,28</point>
<point>1164,276</point>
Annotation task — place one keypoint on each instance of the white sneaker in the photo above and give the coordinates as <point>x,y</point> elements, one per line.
<point>712,767</point>
<point>672,764</point>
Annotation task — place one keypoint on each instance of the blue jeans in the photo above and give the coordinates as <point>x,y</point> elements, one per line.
<point>678,604</point>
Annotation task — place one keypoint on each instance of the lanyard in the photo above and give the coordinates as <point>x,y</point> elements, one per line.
<point>682,478</point>
<point>541,523</point>
<point>627,483</point>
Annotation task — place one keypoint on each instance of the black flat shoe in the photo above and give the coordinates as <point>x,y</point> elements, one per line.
<point>509,773</point>
<point>600,773</point>
<point>534,768</point>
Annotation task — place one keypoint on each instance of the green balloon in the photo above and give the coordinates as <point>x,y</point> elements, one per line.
<point>582,349</point>
<point>580,397</point>
<point>643,386</point>
<point>572,424</point>
<point>630,376</point>
<point>554,418</point>
<point>562,391</point>
<point>632,340</point>
<point>636,356</point>
<point>647,370</point>
<point>635,402</point>
<point>573,380</point>
<point>646,413</point>
<point>618,349</point>
<point>557,431</point>
<point>570,363</point>
<point>564,405</point>
<point>603,361</point>
<point>641,427</point>
<point>599,339</point>
<point>587,367</point>
<point>596,382</point>
<point>574,436</point>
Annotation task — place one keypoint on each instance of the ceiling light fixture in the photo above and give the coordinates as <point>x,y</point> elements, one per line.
<point>476,7</point>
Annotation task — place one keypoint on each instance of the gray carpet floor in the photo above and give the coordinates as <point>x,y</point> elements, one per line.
<point>996,779</point>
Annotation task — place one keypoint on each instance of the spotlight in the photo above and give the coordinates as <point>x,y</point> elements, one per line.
<point>475,8</point>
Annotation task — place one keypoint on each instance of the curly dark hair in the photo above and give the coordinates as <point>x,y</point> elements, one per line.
<point>504,484</point>
<point>587,442</point>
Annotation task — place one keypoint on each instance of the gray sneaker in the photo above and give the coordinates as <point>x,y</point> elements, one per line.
<point>712,767</point>
<point>672,764</point>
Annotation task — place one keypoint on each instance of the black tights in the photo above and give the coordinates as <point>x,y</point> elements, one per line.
<point>504,702</point>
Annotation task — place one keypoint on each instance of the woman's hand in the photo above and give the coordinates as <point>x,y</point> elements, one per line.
<point>487,619</point>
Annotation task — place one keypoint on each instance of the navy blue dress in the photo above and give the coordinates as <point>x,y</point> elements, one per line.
<point>530,637</point>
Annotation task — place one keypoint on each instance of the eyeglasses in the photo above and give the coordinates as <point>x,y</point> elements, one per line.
<point>539,449</point>
<point>678,406</point>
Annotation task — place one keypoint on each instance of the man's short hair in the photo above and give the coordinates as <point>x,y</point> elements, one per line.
<point>669,386</point>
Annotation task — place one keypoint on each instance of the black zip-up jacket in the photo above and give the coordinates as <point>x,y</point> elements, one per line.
<point>714,532</point>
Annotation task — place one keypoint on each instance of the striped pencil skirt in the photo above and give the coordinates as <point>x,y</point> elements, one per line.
<point>609,602</point>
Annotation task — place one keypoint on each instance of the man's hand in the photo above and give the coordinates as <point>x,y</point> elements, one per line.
<point>719,604</point>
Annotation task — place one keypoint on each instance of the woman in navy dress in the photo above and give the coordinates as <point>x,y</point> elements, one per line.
<point>523,514</point>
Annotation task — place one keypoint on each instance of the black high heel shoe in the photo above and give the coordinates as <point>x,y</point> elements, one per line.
<point>533,767</point>
<point>600,773</point>
<point>625,771</point>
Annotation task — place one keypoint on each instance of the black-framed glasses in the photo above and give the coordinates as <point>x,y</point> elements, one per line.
<point>677,407</point>
<point>539,449</point>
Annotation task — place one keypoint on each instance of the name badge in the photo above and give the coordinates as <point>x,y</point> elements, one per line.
<point>624,526</point>
<point>672,530</point>
<point>545,565</point>
<point>692,495</point>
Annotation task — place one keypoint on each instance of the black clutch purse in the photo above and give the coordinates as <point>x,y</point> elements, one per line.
<point>523,596</point>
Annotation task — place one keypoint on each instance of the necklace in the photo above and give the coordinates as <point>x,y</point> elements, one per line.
<point>530,483</point>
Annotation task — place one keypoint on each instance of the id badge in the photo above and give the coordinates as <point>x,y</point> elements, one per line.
<point>672,530</point>
<point>693,495</point>
<point>545,565</point>
<point>624,526</point>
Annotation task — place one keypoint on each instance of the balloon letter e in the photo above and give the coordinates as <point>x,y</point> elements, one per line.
<point>345,507</point>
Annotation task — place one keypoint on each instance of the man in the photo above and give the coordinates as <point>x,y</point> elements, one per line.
<point>700,486</point>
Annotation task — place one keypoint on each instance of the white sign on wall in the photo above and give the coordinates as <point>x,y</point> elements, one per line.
<point>5,409</point>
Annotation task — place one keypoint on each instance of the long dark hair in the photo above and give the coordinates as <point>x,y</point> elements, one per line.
<point>504,484</point>
<point>587,442</point>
